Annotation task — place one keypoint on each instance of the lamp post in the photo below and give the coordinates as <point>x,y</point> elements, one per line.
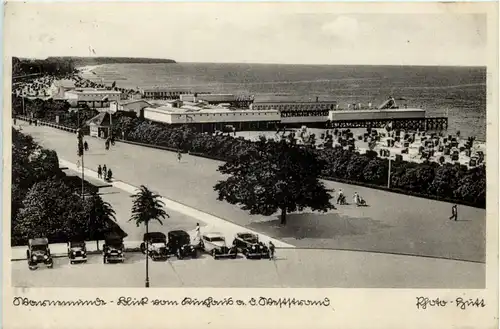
<point>147,256</point>
<point>389,172</point>
<point>81,153</point>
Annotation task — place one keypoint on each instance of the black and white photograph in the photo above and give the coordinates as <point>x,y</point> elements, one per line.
<point>252,145</point>
<point>221,156</point>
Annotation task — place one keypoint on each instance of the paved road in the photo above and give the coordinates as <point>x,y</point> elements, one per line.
<point>392,223</point>
<point>122,205</point>
<point>293,268</point>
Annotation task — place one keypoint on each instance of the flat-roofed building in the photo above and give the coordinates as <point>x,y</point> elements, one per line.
<point>209,119</point>
<point>295,110</point>
<point>94,98</point>
<point>166,92</point>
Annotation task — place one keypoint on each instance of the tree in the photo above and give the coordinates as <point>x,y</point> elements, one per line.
<point>274,176</point>
<point>101,215</point>
<point>50,209</point>
<point>147,206</point>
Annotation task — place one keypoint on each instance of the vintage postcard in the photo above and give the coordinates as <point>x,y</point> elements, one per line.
<point>274,165</point>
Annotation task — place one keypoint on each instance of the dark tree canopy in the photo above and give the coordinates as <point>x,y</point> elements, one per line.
<point>50,209</point>
<point>274,176</point>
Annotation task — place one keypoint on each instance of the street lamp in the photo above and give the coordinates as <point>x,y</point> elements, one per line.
<point>389,172</point>
<point>147,255</point>
<point>81,153</point>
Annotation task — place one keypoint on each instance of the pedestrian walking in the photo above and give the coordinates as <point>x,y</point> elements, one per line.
<point>110,174</point>
<point>104,172</point>
<point>86,146</point>
<point>15,120</point>
<point>99,172</point>
<point>106,144</point>
<point>341,196</point>
<point>78,164</point>
<point>454,212</point>
<point>179,156</point>
<point>355,198</point>
<point>271,250</point>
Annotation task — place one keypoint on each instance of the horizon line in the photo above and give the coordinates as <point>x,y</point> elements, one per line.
<point>256,63</point>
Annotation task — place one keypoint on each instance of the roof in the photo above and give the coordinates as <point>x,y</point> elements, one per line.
<point>213,234</point>
<point>102,119</point>
<point>189,109</point>
<point>94,91</point>
<point>166,89</point>
<point>246,234</point>
<point>39,241</point>
<point>292,99</point>
<point>132,101</point>
<point>178,233</point>
<point>154,235</point>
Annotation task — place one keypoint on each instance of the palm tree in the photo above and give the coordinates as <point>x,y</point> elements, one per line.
<point>100,215</point>
<point>147,206</point>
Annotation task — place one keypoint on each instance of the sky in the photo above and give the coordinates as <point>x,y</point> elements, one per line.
<point>248,33</point>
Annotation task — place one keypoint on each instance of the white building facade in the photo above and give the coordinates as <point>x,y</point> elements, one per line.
<point>94,98</point>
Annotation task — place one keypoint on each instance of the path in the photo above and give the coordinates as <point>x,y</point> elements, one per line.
<point>393,223</point>
<point>293,268</point>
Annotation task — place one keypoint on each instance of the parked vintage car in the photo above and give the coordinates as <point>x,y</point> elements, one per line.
<point>77,252</point>
<point>250,246</point>
<point>214,243</point>
<point>38,252</point>
<point>113,249</point>
<point>179,244</point>
<point>156,244</point>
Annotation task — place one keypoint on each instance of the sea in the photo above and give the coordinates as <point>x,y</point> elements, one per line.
<point>456,92</point>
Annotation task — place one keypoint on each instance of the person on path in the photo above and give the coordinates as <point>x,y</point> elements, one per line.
<point>454,213</point>
<point>272,249</point>
<point>341,195</point>
<point>197,237</point>
<point>110,174</point>
<point>78,164</point>
<point>104,172</point>
<point>15,120</point>
<point>106,144</point>
<point>179,156</point>
<point>355,198</point>
<point>99,172</point>
<point>86,146</point>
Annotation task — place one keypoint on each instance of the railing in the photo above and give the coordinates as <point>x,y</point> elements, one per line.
<point>48,124</point>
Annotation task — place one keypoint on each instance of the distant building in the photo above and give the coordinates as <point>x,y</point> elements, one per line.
<point>94,98</point>
<point>241,101</point>
<point>297,111</point>
<point>209,98</point>
<point>134,105</point>
<point>60,87</point>
<point>210,118</point>
<point>100,125</point>
<point>166,92</point>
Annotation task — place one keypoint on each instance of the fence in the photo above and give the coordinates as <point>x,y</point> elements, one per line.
<point>48,124</point>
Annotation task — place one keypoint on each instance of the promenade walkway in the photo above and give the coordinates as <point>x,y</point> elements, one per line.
<point>392,223</point>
